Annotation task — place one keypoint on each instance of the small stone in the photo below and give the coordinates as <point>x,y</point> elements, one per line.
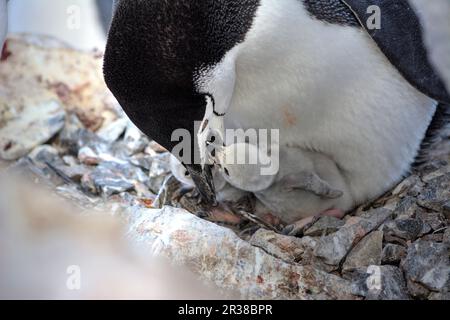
<point>35,125</point>
<point>446,236</point>
<point>406,185</point>
<point>367,252</point>
<point>427,263</point>
<point>114,130</point>
<point>289,249</point>
<point>333,248</point>
<point>45,154</point>
<point>406,208</point>
<point>446,208</point>
<point>417,290</point>
<point>142,160</point>
<point>393,254</point>
<point>324,226</point>
<point>74,172</point>
<point>435,220</point>
<point>441,296</point>
<point>436,194</point>
<point>99,153</point>
<point>379,283</point>
<point>134,140</point>
<point>159,170</point>
<point>111,178</point>
<point>408,229</point>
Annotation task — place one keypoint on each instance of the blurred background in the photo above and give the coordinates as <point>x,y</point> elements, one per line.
<point>80,23</point>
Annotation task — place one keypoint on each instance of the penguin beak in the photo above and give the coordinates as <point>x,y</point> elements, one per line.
<point>203,179</point>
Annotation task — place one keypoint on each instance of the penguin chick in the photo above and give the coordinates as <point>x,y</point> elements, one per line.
<point>296,190</point>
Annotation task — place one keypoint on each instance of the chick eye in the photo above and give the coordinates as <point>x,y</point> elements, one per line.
<point>211,139</point>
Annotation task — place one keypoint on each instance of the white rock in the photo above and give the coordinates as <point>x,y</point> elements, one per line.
<point>35,125</point>
<point>220,256</point>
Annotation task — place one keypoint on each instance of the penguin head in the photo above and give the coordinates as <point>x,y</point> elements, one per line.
<point>170,65</point>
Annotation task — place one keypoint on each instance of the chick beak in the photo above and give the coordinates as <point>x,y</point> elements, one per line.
<point>203,179</point>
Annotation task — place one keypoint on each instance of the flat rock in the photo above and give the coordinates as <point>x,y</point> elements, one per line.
<point>219,255</point>
<point>427,264</point>
<point>333,248</point>
<point>36,72</point>
<point>110,178</point>
<point>393,254</point>
<point>134,140</point>
<point>160,169</point>
<point>35,125</point>
<point>367,252</point>
<point>407,229</point>
<point>113,130</point>
<point>289,249</point>
<point>324,226</point>
<point>437,192</point>
<point>446,236</point>
<point>379,283</point>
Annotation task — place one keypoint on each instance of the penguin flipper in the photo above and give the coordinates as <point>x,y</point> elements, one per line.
<point>400,38</point>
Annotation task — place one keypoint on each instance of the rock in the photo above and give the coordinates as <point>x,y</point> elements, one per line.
<point>435,220</point>
<point>36,73</point>
<point>333,248</point>
<point>367,252</point>
<point>446,208</point>
<point>393,254</point>
<point>142,160</point>
<point>159,170</point>
<point>35,125</point>
<point>114,130</point>
<point>410,185</point>
<point>289,249</point>
<point>446,237</point>
<point>417,291</point>
<point>45,154</point>
<point>324,226</point>
<point>110,178</point>
<point>436,194</point>
<point>408,229</point>
<point>74,172</point>
<point>443,296</point>
<point>96,151</point>
<point>427,264</point>
<point>406,208</point>
<point>220,256</point>
<point>134,140</point>
<point>379,283</point>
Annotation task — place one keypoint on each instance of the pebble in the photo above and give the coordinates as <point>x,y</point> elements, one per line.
<point>333,248</point>
<point>393,254</point>
<point>427,263</point>
<point>35,125</point>
<point>324,226</point>
<point>379,283</point>
<point>367,252</point>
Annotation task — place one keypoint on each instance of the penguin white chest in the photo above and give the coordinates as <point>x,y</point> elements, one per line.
<point>330,90</point>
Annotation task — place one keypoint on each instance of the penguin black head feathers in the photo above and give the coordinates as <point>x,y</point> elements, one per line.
<point>157,49</point>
